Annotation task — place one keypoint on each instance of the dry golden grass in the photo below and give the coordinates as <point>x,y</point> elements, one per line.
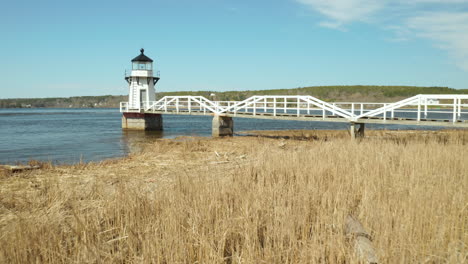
<point>246,200</point>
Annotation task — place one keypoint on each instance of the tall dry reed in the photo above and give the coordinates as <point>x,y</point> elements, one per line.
<point>245,200</point>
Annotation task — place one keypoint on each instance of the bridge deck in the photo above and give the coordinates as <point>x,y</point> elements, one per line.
<point>330,118</point>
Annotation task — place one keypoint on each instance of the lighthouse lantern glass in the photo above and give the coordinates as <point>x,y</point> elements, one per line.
<point>138,65</point>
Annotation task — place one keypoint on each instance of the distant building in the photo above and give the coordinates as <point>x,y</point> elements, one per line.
<point>429,102</point>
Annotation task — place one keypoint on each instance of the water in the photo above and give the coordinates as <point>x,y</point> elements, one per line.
<point>74,135</point>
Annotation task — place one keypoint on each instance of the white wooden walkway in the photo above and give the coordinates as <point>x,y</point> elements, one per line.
<point>424,109</point>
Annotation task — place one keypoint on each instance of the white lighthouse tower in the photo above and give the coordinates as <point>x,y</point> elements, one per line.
<point>141,92</point>
<point>141,82</point>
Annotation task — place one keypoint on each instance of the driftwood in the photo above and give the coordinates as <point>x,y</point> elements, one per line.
<point>362,240</point>
<point>14,168</point>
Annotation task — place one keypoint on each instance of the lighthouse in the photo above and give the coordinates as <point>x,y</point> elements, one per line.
<point>141,82</point>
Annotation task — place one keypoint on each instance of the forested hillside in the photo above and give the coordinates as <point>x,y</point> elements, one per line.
<point>357,93</point>
<point>105,101</point>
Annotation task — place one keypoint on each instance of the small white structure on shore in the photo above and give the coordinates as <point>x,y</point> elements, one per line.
<point>141,83</point>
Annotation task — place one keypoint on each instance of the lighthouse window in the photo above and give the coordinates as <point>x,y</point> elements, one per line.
<point>142,66</point>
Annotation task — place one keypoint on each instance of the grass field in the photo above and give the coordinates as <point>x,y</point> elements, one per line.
<point>278,197</point>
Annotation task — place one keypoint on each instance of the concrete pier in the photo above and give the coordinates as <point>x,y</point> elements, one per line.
<point>141,121</point>
<point>356,132</point>
<point>222,126</point>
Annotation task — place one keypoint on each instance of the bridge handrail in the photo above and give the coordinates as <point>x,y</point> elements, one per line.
<point>296,102</point>
<point>421,100</point>
<point>333,108</point>
<point>240,105</point>
<point>216,108</point>
<point>123,106</point>
<point>213,105</point>
<point>389,107</point>
<point>166,100</point>
<point>307,99</point>
<point>153,104</point>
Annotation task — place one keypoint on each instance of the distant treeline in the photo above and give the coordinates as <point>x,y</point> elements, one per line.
<point>361,93</point>
<point>356,93</point>
<point>105,101</point>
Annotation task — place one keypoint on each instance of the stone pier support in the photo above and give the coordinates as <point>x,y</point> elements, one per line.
<point>356,132</point>
<point>141,121</point>
<point>222,126</point>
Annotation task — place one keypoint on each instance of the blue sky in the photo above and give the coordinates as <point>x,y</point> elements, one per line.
<point>77,48</point>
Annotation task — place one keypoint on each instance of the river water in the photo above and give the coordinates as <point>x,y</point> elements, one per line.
<point>74,135</point>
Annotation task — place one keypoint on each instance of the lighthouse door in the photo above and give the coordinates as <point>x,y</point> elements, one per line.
<point>143,100</point>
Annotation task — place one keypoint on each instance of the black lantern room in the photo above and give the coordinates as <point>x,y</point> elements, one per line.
<point>142,62</point>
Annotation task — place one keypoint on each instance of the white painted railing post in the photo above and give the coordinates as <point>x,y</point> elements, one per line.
<point>265,105</point>
<point>274,106</point>
<point>419,109</point>
<point>189,102</point>
<point>285,105</point>
<point>254,108</point>
<point>425,107</point>
<point>333,112</point>
<point>393,113</point>
<point>308,108</point>
<point>297,106</point>
<point>362,108</point>
<point>385,113</point>
<point>177,104</point>
<point>459,107</point>
<point>324,111</point>
<point>165,104</point>
<point>352,108</point>
<point>454,110</point>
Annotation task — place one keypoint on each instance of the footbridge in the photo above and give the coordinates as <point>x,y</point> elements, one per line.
<point>448,110</point>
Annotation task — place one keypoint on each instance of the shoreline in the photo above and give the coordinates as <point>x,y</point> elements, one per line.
<point>300,135</point>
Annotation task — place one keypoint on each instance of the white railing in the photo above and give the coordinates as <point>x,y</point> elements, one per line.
<point>298,105</point>
<point>417,107</point>
<point>424,103</point>
<point>124,107</point>
<point>128,73</point>
<point>273,105</point>
<point>183,104</point>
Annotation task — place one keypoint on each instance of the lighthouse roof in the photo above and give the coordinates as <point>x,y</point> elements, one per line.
<point>142,57</point>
